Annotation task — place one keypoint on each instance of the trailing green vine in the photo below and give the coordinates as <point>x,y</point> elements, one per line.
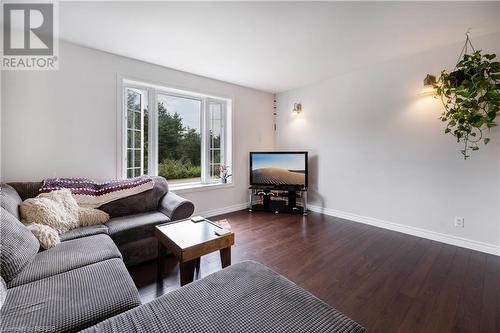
<point>471,98</point>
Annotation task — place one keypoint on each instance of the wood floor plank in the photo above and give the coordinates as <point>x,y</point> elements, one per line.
<point>490,310</point>
<point>468,315</point>
<point>387,281</point>
<point>395,311</point>
<point>383,285</point>
<point>330,276</point>
<point>363,267</point>
<point>420,311</point>
<point>414,282</point>
<point>446,305</point>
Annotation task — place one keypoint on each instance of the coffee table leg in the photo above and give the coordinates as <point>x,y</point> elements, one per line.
<point>225,256</point>
<point>161,262</point>
<point>198,261</point>
<point>187,271</point>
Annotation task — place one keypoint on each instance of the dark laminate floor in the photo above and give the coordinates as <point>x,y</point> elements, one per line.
<point>387,281</point>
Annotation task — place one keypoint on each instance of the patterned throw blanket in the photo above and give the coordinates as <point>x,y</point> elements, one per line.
<point>92,195</point>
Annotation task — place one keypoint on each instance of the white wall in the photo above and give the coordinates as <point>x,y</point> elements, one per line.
<point>64,123</point>
<point>380,155</point>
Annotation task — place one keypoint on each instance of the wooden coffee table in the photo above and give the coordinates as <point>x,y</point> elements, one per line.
<point>188,241</point>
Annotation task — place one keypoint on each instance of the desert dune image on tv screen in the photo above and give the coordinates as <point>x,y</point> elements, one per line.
<point>278,169</point>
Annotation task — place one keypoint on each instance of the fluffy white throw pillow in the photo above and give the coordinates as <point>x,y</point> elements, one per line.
<point>57,209</point>
<point>47,236</point>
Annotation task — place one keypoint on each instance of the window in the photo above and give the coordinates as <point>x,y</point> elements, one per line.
<point>183,136</point>
<point>215,137</point>
<point>136,111</point>
<point>179,138</point>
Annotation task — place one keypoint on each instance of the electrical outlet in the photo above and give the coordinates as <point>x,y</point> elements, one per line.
<point>459,222</point>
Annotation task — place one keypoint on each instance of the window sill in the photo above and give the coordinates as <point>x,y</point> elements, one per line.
<point>188,188</point>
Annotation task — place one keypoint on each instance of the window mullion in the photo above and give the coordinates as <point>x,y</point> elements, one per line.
<point>143,104</point>
<point>125,165</point>
<point>223,135</point>
<point>205,158</point>
<point>153,133</point>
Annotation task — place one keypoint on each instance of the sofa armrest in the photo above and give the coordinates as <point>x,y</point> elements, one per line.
<point>176,207</point>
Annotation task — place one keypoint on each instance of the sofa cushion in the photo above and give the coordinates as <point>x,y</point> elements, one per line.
<point>143,202</point>
<point>84,232</point>
<point>70,301</point>
<point>67,256</point>
<point>139,251</point>
<point>10,200</point>
<point>134,227</point>
<point>245,297</point>
<point>18,246</point>
<point>3,291</point>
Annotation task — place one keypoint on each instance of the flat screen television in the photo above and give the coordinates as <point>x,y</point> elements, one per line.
<point>281,169</point>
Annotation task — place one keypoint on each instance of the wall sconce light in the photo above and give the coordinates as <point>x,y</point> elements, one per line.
<point>428,89</point>
<point>297,108</point>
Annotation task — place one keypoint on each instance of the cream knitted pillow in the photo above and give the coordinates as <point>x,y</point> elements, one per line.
<point>56,209</point>
<point>91,216</point>
<point>47,236</point>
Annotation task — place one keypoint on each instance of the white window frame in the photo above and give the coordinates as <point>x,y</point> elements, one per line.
<point>152,92</point>
<point>223,139</point>
<point>143,100</point>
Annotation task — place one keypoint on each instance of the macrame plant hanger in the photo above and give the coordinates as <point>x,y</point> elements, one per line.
<point>465,49</point>
<point>466,46</point>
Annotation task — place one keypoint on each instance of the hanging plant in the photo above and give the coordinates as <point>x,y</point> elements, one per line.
<point>471,98</point>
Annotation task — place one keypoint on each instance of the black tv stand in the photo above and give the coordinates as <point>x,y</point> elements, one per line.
<point>278,200</point>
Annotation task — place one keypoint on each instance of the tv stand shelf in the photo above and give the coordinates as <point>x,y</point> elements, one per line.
<point>278,200</point>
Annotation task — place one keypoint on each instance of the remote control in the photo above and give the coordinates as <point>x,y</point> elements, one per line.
<point>221,232</point>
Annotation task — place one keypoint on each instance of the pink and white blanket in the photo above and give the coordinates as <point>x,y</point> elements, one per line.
<point>92,194</point>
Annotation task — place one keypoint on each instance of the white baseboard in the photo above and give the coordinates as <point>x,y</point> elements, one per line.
<point>223,210</point>
<point>423,233</point>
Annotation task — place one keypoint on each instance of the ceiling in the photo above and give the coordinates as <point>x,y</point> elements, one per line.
<point>272,46</point>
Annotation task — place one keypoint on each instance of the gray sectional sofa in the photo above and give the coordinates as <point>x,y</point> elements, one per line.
<point>132,218</point>
<point>246,297</point>
<point>74,285</point>
<point>83,283</point>
<point>84,279</point>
